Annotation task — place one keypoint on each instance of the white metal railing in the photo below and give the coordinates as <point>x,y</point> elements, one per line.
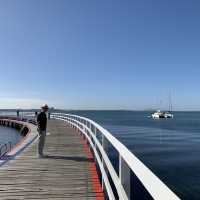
<point>127,161</point>
<point>5,148</point>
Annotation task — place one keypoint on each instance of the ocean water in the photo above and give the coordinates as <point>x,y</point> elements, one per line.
<point>9,135</point>
<point>169,147</point>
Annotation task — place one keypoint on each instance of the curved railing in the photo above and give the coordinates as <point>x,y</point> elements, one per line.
<point>127,161</point>
<point>27,130</point>
<point>5,148</point>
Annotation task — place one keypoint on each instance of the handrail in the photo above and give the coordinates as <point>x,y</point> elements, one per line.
<point>7,147</point>
<point>26,129</point>
<point>127,161</point>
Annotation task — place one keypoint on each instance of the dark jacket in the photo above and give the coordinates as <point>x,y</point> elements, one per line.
<point>42,121</point>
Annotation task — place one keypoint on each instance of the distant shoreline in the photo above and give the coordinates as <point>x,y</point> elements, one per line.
<point>92,110</point>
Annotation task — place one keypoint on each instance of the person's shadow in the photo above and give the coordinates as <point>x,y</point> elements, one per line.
<point>73,158</point>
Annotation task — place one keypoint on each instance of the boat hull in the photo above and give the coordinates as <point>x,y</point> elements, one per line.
<point>162,115</point>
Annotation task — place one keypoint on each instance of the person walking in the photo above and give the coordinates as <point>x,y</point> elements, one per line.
<point>42,125</point>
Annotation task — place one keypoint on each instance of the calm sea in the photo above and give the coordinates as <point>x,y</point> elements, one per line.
<point>9,135</point>
<point>170,148</point>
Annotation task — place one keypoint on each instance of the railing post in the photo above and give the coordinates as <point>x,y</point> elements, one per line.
<point>104,145</point>
<point>124,176</point>
<point>85,130</point>
<point>90,127</point>
<point>95,145</point>
<point>95,133</point>
<point>102,161</point>
<point>49,115</point>
<point>71,123</point>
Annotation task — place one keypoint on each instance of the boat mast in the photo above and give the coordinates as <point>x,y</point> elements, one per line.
<point>170,102</point>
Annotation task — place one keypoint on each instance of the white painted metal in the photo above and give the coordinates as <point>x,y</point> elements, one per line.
<point>112,171</point>
<point>124,176</point>
<point>127,161</point>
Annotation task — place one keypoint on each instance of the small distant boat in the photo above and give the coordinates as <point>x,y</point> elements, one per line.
<point>162,115</point>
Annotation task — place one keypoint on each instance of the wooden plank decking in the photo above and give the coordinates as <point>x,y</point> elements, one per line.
<point>64,174</point>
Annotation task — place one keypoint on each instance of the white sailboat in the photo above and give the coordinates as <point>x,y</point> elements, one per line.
<point>163,114</point>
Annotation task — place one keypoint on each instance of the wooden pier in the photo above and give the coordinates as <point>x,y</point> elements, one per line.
<point>67,171</point>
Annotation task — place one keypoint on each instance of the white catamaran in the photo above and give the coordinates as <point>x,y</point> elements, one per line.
<point>162,114</point>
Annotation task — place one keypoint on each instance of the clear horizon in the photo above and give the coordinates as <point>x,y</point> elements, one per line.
<point>100,55</point>
<point>128,110</point>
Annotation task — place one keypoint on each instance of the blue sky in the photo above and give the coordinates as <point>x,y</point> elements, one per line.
<point>106,54</point>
